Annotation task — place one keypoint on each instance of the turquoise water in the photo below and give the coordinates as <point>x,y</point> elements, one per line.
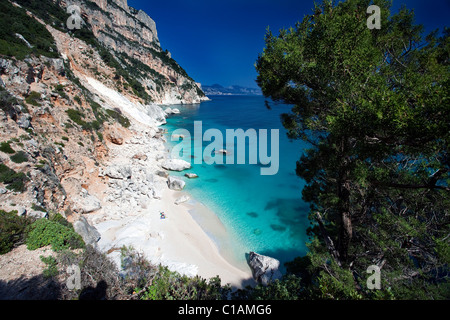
<point>261,213</point>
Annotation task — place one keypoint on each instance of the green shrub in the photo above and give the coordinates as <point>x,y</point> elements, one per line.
<point>57,217</point>
<point>287,288</point>
<point>35,207</point>
<point>51,270</point>
<point>119,118</point>
<point>44,232</point>
<point>14,181</point>
<point>136,270</point>
<point>95,125</point>
<point>169,285</point>
<point>98,112</point>
<point>68,125</point>
<point>19,157</point>
<point>76,116</point>
<point>7,102</point>
<point>12,230</point>
<point>95,268</point>
<point>33,98</point>
<point>111,61</point>
<point>15,20</point>
<point>60,90</point>
<point>18,182</point>
<point>6,148</point>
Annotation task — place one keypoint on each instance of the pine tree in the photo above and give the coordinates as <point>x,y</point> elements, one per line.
<point>373,105</point>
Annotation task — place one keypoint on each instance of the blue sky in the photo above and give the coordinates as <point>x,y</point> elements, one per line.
<point>219,41</point>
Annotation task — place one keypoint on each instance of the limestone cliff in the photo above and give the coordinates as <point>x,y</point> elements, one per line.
<point>80,117</point>
<point>131,36</point>
<point>68,96</point>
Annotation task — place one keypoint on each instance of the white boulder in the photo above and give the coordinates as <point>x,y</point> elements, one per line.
<point>175,183</point>
<point>89,233</point>
<point>181,199</point>
<point>170,111</point>
<point>156,112</point>
<point>86,203</point>
<point>176,165</point>
<point>265,269</point>
<point>36,214</point>
<point>117,172</point>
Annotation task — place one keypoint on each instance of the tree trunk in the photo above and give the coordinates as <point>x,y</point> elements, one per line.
<point>345,235</point>
<point>345,222</point>
<point>328,241</point>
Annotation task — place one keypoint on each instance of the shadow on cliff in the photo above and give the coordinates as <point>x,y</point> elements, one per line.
<point>97,293</point>
<point>41,288</point>
<point>35,288</point>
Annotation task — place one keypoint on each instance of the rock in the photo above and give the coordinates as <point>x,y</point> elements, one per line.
<point>86,203</point>
<point>140,156</point>
<point>277,227</point>
<point>19,83</point>
<point>58,65</point>
<point>21,212</point>
<point>156,112</point>
<point>5,66</point>
<point>162,173</point>
<point>170,111</point>
<point>89,233</point>
<point>148,178</point>
<point>30,78</point>
<point>115,138</point>
<point>175,183</point>
<point>252,214</point>
<point>157,191</point>
<point>176,165</point>
<point>181,199</point>
<point>23,122</point>
<point>177,137</point>
<point>118,172</point>
<point>264,268</point>
<point>191,175</point>
<point>37,214</point>
<point>149,22</point>
<point>3,191</point>
<point>18,35</point>
<point>221,151</point>
<point>33,148</point>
